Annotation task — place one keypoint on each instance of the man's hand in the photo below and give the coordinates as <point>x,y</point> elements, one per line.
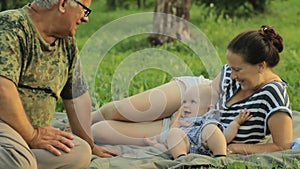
<point>104,152</point>
<point>52,139</point>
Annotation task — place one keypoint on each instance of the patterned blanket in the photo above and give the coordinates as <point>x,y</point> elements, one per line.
<point>139,157</point>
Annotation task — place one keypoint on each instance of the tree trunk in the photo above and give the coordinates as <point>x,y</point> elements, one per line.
<point>167,28</point>
<point>3,5</point>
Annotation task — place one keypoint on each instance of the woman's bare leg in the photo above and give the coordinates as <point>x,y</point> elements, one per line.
<point>118,132</point>
<point>214,139</point>
<point>149,105</point>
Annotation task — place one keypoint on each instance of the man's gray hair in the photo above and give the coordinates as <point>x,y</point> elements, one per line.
<point>49,3</point>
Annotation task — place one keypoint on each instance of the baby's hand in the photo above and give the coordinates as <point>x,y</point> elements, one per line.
<point>180,123</point>
<point>243,116</point>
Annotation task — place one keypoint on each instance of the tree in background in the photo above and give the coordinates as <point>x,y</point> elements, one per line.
<point>178,28</point>
<point>163,25</point>
<point>126,4</point>
<point>234,8</point>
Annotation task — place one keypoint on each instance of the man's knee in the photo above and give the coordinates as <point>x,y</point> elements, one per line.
<point>11,158</point>
<point>14,151</point>
<point>79,157</point>
<point>82,151</point>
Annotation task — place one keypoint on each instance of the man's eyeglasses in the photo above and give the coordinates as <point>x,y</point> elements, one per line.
<point>87,10</point>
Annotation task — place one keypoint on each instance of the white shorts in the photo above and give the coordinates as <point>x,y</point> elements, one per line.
<point>190,81</point>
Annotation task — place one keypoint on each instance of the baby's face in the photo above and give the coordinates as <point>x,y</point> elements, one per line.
<point>191,106</point>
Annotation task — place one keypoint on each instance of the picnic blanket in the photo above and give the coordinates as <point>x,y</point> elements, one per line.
<point>147,157</point>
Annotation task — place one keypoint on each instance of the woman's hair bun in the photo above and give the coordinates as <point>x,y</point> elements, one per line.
<point>269,34</point>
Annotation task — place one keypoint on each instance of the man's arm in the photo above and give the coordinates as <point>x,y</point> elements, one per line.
<point>78,111</point>
<point>12,111</point>
<point>79,115</point>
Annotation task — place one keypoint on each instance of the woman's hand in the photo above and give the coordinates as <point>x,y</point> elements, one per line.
<point>52,139</point>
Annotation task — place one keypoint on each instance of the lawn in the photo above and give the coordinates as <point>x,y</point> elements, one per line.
<point>117,75</point>
<point>131,65</point>
<point>114,77</point>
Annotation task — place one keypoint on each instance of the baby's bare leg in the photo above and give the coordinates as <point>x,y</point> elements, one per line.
<point>214,139</point>
<point>177,142</point>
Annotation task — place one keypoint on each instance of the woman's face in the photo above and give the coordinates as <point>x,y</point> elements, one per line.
<point>246,74</point>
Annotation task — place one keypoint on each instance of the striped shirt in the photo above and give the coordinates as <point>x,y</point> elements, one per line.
<point>272,97</point>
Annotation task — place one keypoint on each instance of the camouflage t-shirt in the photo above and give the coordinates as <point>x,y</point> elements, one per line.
<point>41,71</point>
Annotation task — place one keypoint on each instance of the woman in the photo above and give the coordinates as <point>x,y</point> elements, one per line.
<point>246,81</point>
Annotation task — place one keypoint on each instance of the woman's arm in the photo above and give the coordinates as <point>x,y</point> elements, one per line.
<point>280,125</point>
<point>282,134</point>
<point>216,86</point>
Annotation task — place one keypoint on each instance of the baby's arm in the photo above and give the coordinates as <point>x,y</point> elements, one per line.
<point>176,122</point>
<point>231,131</point>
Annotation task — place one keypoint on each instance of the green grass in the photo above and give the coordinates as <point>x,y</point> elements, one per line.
<point>284,15</point>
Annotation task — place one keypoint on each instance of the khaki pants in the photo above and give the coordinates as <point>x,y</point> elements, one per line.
<point>15,153</point>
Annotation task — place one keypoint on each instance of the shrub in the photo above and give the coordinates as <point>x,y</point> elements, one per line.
<point>128,4</point>
<point>231,8</point>
<point>7,4</point>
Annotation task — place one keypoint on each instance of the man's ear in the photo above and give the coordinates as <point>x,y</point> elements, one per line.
<point>61,6</point>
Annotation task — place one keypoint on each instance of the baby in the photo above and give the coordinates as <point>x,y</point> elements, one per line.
<point>196,127</point>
